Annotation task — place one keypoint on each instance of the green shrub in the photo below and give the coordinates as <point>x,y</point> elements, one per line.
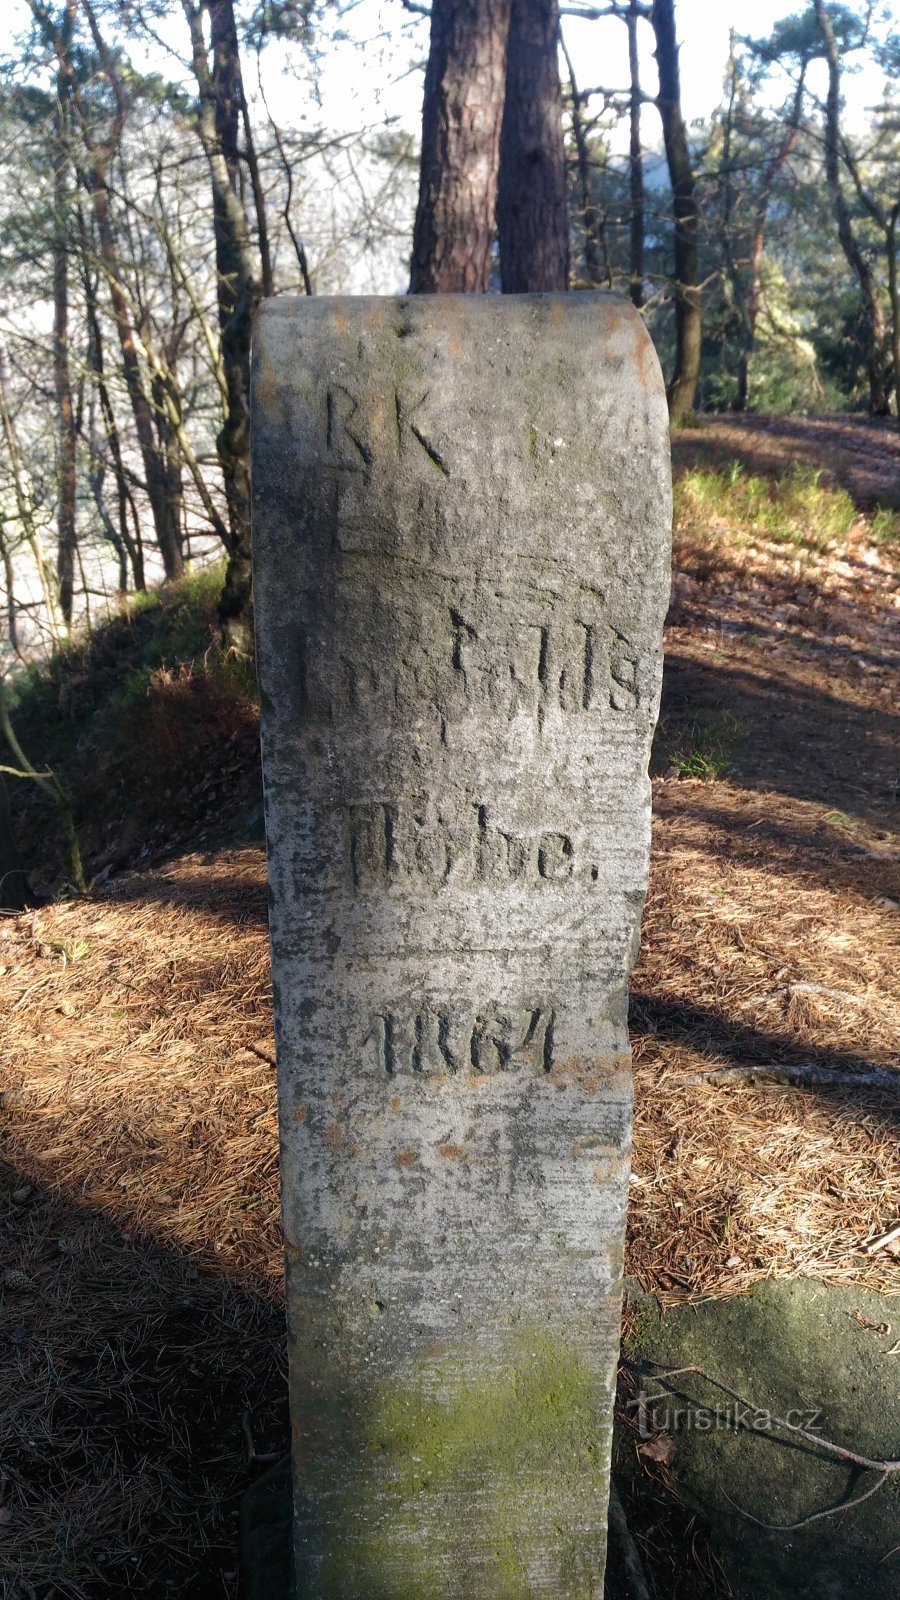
<point>796,508</point>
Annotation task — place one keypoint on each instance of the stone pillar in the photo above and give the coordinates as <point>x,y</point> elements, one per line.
<point>462,512</point>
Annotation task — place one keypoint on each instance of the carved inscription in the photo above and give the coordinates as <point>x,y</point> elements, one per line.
<point>437,1040</point>
<point>451,666</point>
<point>355,433</point>
<point>387,844</point>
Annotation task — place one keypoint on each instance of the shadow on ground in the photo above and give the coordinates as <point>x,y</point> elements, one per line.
<point>863,454</point>
<point>796,738</point>
<point>127,1373</point>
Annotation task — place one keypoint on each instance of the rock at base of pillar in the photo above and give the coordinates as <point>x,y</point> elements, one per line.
<point>267,1537</point>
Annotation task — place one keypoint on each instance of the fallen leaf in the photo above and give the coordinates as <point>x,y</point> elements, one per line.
<point>661,1448</point>
<point>866,1322</point>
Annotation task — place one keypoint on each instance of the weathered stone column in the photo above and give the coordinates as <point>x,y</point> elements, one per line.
<point>462,514</point>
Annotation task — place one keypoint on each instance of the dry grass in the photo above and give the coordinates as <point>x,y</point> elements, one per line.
<point>750,958</point>
<point>138,1060</point>
<point>140,1264</point>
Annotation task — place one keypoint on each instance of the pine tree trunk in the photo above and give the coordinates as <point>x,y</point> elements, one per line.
<point>879,399</point>
<point>96,363</point>
<point>461,119</point>
<point>65,415</point>
<point>591,221</point>
<point>688,313</point>
<point>221,99</point>
<point>635,164</point>
<point>165,520</point>
<point>532,210</point>
<point>758,244</point>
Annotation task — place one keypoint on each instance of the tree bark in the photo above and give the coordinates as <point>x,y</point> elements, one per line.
<point>635,163</point>
<point>758,245</point>
<point>532,209</point>
<point>461,119</point>
<point>857,260</point>
<point>100,155</point>
<point>65,415</point>
<point>688,313</point>
<point>165,519</point>
<point>221,97</point>
<point>96,363</point>
<point>595,247</point>
<point>15,893</point>
<point>894,291</point>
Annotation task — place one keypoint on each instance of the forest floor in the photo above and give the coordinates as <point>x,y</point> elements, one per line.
<point>141,1329</point>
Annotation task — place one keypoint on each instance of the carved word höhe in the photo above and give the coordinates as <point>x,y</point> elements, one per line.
<point>387,844</point>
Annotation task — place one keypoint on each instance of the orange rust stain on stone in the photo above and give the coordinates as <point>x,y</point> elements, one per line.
<point>333,1136</point>
<point>591,1076</point>
<point>451,1152</point>
<point>339,317</point>
<point>406,1158</point>
<point>645,360</point>
<point>298,1114</point>
<point>396,1102</point>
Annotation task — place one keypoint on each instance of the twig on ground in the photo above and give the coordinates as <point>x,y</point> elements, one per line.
<point>882,1240</point>
<point>796,1075</point>
<point>632,1567</point>
<point>256,1458</point>
<point>822,988</point>
<point>885,1469</point>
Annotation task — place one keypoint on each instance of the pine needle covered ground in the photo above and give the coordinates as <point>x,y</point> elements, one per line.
<point>141,1337</point>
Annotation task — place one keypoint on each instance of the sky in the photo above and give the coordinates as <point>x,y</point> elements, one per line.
<point>367,76</point>
<point>371,78</point>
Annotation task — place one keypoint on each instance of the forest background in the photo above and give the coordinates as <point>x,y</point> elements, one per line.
<point>164,164</point>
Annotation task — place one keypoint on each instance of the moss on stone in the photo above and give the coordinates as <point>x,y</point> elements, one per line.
<point>469,1454</point>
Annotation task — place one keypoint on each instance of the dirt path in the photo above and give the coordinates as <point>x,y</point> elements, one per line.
<point>862,454</point>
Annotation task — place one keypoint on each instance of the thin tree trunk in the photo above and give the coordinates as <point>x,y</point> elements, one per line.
<point>9,581</point>
<point>100,155</point>
<point>15,894</point>
<point>856,257</point>
<point>461,118</point>
<point>532,209</point>
<point>894,291</point>
<point>131,543</point>
<point>594,242</point>
<point>25,507</point>
<point>164,513</point>
<point>65,416</point>
<point>635,162</point>
<point>259,199</point>
<point>168,419</point>
<point>688,313</point>
<point>221,95</point>
<point>758,243</point>
<point>295,238</point>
